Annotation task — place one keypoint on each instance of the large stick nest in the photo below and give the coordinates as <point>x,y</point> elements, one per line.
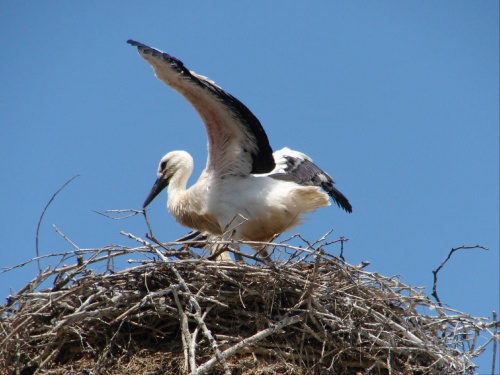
<point>174,313</point>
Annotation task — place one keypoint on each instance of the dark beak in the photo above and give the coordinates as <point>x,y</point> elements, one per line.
<point>160,184</point>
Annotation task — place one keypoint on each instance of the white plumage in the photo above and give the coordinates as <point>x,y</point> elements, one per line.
<point>245,192</point>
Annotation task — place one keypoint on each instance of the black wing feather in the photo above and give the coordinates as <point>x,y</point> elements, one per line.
<point>305,172</point>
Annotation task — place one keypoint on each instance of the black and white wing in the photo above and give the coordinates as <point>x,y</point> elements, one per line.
<point>298,167</point>
<point>237,143</point>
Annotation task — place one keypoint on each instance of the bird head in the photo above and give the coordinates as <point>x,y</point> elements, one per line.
<point>169,166</point>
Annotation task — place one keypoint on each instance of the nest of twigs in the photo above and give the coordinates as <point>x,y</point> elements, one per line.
<point>179,313</point>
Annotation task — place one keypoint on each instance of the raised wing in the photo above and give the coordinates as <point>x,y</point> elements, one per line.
<point>298,167</point>
<point>237,143</point>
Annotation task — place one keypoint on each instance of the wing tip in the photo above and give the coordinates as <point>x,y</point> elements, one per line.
<point>145,49</point>
<point>343,203</point>
<point>134,43</point>
<point>339,198</point>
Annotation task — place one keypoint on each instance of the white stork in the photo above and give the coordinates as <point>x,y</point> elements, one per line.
<point>246,191</point>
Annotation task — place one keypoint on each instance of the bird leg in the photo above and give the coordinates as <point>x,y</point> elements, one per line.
<point>219,253</point>
<point>238,258</point>
<point>262,252</point>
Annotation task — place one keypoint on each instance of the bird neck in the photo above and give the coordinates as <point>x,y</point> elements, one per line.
<point>177,191</point>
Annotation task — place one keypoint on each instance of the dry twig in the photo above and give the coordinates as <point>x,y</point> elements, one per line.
<point>41,218</point>
<point>435,272</point>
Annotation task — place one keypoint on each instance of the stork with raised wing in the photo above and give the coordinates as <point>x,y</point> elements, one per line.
<point>245,192</point>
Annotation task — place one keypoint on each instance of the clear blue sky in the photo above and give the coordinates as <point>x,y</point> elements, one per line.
<point>398,101</point>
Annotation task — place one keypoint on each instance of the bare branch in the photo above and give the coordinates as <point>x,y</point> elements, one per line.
<point>495,341</point>
<point>131,213</point>
<point>289,320</point>
<point>435,272</point>
<point>42,215</point>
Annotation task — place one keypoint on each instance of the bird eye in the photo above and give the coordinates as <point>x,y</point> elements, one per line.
<point>163,165</point>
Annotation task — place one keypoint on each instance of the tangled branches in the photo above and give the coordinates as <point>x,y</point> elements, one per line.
<point>179,313</point>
